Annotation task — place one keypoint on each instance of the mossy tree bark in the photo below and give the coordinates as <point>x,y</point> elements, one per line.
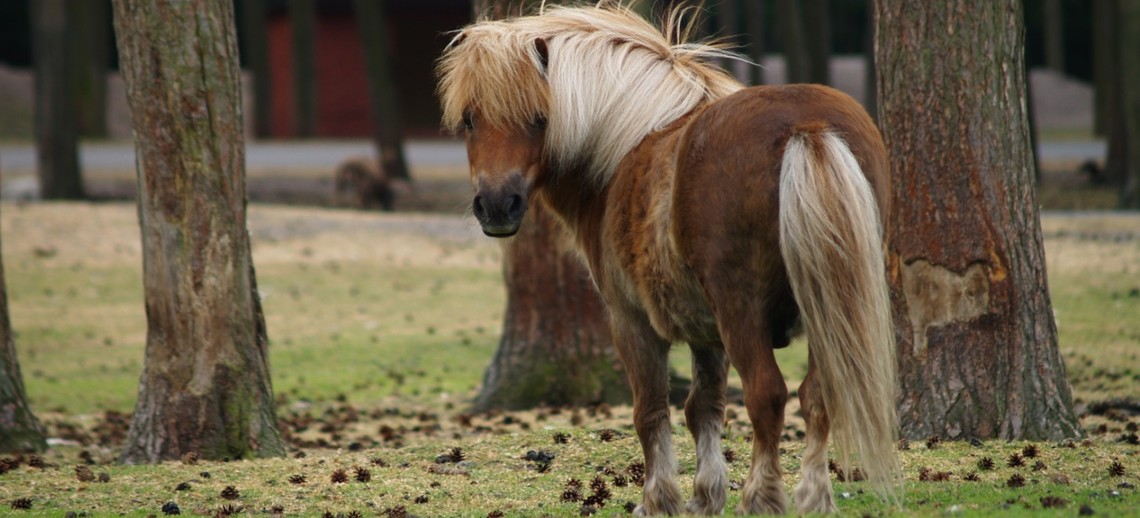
<point>556,346</point>
<point>977,341</point>
<point>57,134</point>
<point>19,430</point>
<point>205,386</point>
<point>383,96</point>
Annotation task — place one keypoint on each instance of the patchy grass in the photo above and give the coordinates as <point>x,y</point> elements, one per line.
<point>380,328</point>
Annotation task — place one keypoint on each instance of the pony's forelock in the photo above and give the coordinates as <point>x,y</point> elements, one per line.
<point>610,79</point>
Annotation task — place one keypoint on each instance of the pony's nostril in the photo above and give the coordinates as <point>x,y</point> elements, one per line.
<point>514,203</point>
<point>479,208</point>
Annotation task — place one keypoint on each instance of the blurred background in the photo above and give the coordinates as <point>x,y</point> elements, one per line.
<point>308,76</point>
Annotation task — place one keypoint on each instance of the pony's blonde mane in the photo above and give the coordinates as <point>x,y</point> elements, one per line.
<point>604,80</point>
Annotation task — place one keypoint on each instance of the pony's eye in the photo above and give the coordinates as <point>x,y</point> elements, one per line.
<point>539,123</point>
<point>467,124</point>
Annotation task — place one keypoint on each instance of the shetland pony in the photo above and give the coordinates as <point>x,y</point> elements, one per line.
<point>707,213</point>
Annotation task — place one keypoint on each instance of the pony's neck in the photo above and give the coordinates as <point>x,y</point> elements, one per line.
<point>578,208</point>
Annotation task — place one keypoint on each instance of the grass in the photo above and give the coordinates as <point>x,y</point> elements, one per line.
<point>380,328</point>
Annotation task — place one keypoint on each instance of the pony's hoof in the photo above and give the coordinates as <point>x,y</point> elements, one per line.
<point>660,510</point>
<point>704,506</point>
<point>763,504</point>
<point>820,503</point>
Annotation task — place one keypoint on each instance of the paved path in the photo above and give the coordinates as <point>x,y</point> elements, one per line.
<point>20,159</point>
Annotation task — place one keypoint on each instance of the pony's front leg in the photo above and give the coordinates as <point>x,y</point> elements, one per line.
<point>704,415</point>
<point>645,357</point>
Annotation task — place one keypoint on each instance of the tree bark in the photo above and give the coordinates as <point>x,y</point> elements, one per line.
<point>977,341</point>
<point>382,93</point>
<point>302,22</point>
<point>20,432</point>
<point>256,41</point>
<point>205,386</point>
<point>57,140</point>
<point>870,86</point>
<point>556,346</point>
<point>88,21</point>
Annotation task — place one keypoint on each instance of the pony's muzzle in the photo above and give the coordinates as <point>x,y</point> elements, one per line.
<point>500,212</point>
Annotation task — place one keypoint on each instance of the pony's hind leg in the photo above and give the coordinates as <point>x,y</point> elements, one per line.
<point>704,415</point>
<point>813,493</point>
<point>646,361</point>
<point>765,395</point>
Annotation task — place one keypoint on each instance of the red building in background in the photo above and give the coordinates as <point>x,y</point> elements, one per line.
<point>419,30</point>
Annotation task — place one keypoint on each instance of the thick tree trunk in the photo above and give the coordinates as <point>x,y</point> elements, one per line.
<point>88,24</point>
<point>20,432</point>
<point>382,94</point>
<point>977,342</point>
<point>256,42</point>
<point>870,85</point>
<point>1129,88</point>
<point>556,346</point>
<point>57,142</point>
<point>205,387</point>
<point>302,23</point>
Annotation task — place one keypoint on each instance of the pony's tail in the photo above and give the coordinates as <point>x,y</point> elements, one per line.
<point>832,243</point>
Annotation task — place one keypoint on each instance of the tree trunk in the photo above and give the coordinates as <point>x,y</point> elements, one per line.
<point>556,346</point>
<point>977,341</point>
<point>302,22</point>
<point>20,432</point>
<point>383,96</point>
<point>1105,65</point>
<point>88,21</point>
<point>57,142</point>
<point>256,42</point>
<point>796,53</point>
<point>1054,36</point>
<point>817,33</point>
<point>205,386</point>
<point>1129,88</point>
<point>754,24</point>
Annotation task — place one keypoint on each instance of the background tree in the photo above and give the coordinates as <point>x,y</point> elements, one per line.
<point>1054,36</point>
<point>255,41</point>
<point>302,24</point>
<point>205,386</point>
<point>19,429</point>
<point>382,93</point>
<point>88,39</point>
<point>556,346</point>
<point>57,142</point>
<point>977,341</point>
<point>817,32</point>
<point>1129,97</point>
<point>793,40</point>
<point>754,29</point>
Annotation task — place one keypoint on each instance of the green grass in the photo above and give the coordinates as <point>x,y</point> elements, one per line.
<point>399,328</point>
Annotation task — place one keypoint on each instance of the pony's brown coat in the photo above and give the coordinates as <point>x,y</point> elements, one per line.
<point>684,238</point>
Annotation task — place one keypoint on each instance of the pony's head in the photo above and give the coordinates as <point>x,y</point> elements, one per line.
<point>569,91</point>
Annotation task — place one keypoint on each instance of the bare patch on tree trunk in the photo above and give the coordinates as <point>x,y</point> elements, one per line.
<point>937,296</point>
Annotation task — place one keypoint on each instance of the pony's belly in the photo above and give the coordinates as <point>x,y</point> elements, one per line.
<point>680,314</point>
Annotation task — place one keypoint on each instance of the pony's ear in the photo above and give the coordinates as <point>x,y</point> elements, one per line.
<point>543,53</point>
